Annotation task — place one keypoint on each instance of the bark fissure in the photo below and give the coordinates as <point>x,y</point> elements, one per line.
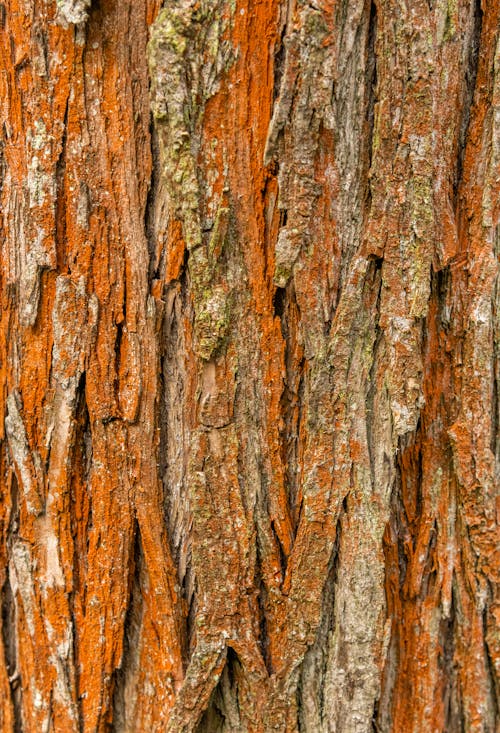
<point>9,645</point>
<point>371,86</point>
<point>156,269</point>
<point>312,703</point>
<point>223,711</point>
<point>60,205</point>
<point>470,75</point>
<point>124,694</point>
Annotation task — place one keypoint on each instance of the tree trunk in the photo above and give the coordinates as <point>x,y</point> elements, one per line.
<point>250,363</point>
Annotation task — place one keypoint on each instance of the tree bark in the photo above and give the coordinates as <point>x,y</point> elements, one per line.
<point>250,364</point>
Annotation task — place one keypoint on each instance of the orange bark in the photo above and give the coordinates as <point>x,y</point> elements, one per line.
<point>249,351</point>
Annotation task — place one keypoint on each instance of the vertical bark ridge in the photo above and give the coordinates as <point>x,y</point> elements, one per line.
<point>476,480</point>
<point>83,214</point>
<point>443,531</point>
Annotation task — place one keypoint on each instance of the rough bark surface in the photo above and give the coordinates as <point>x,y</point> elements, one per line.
<point>250,366</point>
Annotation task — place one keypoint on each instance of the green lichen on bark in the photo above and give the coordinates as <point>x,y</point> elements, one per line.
<point>187,57</point>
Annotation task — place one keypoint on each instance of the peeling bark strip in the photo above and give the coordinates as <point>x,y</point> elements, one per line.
<point>250,362</point>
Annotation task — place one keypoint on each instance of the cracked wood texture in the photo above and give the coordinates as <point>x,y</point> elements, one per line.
<point>250,366</point>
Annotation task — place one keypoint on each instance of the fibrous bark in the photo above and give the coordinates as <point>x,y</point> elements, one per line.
<point>250,362</point>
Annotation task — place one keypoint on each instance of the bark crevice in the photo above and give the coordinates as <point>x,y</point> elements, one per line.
<point>313,689</point>
<point>470,76</point>
<point>156,267</point>
<point>371,93</point>
<point>10,649</point>
<point>124,683</point>
<point>222,714</point>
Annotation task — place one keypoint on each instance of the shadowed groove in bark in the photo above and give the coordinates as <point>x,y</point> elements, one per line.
<point>279,303</point>
<point>448,631</point>
<point>155,261</point>
<point>9,642</point>
<point>490,666</point>
<point>263,638</point>
<point>81,519</point>
<point>188,590</point>
<point>311,692</point>
<point>9,618</point>
<point>213,720</point>
<point>470,76</point>
<point>279,62</point>
<point>60,204</point>
<point>371,90</point>
<point>396,537</point>
<point>223,711</point>
<point>124,695</point>
<point>375,276</point>
<point>291,401</point>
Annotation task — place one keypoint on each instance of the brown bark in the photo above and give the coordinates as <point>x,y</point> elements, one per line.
<point>250,363</point>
